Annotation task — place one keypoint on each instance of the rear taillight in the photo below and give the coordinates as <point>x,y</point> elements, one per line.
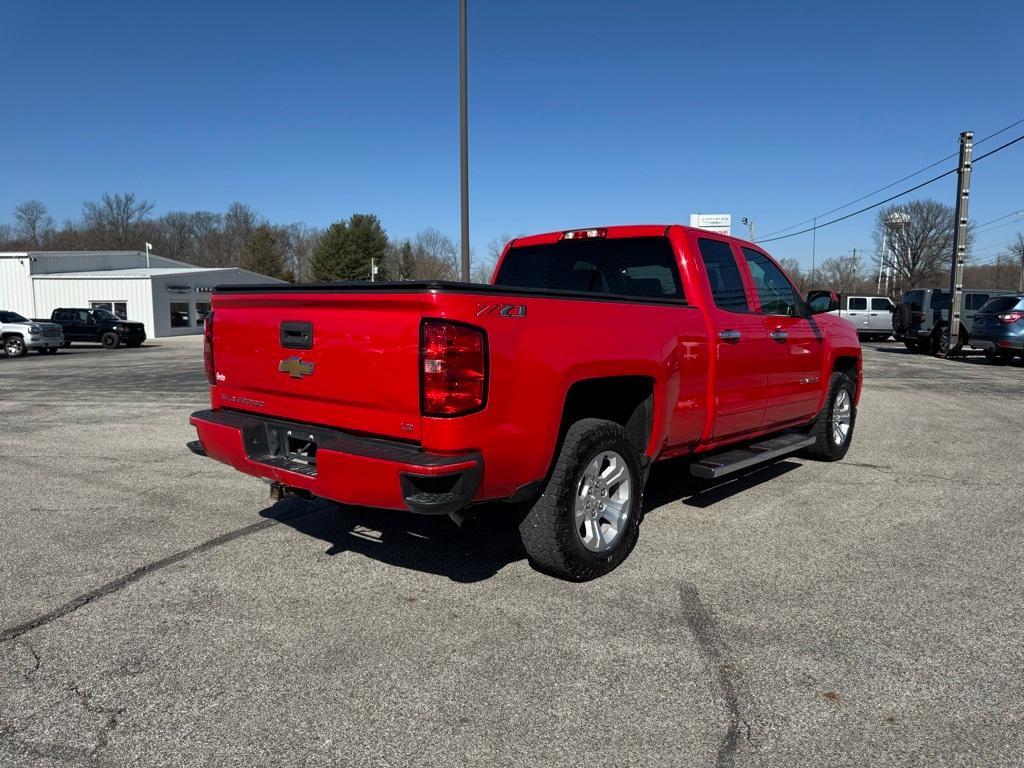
<point>211,375</point>
<point>1011,317</point>
<point>584,234</point>
<point>453,368</point>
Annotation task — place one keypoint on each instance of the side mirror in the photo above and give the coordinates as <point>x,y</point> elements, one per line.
<point>823,301</point>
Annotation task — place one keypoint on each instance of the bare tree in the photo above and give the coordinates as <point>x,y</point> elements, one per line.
<point>435,255</point>
<point>116,221</point>
<point>918,239</point>
<point>33,223</point>
<point>841,274</point>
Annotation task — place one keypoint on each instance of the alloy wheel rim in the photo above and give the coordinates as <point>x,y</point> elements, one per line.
<point>603,500</point>
<point>842,417</point>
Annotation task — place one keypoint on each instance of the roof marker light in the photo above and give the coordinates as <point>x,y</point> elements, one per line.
<point>584,234</point>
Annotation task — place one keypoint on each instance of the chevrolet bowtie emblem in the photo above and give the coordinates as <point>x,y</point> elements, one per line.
<point>295,367</point>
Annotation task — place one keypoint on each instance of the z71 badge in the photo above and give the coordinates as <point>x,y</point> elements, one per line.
<point>502,310</point>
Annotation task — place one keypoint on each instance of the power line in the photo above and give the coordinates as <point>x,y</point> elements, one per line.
<point>932,180</point>
<point>893,184</point>
<point>999,218</point>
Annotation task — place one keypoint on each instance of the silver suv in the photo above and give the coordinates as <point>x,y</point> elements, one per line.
<point>19,334</point>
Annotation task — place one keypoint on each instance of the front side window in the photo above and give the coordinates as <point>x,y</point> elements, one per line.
<point>776,294</point>
<point>880,305</point>
<point>724,275</point>
<point>641,267</point>
<point>976,300</point>
<point>858,304</point>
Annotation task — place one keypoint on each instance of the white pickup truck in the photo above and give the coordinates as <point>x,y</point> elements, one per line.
<point>870,315</point>
<point>19,334</point>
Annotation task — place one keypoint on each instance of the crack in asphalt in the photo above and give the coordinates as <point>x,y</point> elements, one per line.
<point>16,631</point>
<point>704,628</point>
<point>39,661</point>
<point>112,714</point>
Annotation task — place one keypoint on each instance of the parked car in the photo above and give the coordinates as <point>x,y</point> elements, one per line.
<point>594,353</point>
<point>922,317</point>
<point>18,335</point>
<point>998,328</point>
<point>870,315</point>
<point>98,326</point>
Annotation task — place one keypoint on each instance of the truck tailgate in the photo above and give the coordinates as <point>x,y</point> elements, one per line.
<point>358,369</point>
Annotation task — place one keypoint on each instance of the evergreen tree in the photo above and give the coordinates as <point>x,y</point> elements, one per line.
<point>329,254</point>
<point>345,250</point>
<point>264,255</point>
<point>406,261</point>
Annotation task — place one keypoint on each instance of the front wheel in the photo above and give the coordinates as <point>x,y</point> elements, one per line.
<point>14,346</point>
<point>587,519</point>
<point>110,340</point>
<point>833,429</point>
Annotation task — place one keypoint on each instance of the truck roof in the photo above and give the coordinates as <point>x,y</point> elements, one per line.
<point>621,230</point>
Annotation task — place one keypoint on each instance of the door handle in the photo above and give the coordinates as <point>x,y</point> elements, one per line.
<point>874,314</point>
<point>730,335</point>
<point>778,335</point>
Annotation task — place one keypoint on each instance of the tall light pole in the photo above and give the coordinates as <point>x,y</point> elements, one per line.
<point>750,227</point>
<point>464,140</point>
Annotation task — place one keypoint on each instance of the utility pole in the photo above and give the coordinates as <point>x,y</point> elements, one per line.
<point>750,228</point>
<point>956,275</point>
<point>814,248</point>
<point>464,140</point>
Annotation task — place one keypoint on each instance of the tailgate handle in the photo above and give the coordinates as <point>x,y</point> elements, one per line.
<point>297,335</point>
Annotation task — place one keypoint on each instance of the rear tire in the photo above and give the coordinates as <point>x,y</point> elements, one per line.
<point>14,346</point>
<point>110,340</point>
<point>833,429</point>
<point>587,519</point>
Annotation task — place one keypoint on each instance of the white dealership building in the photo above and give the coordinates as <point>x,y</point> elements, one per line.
<point>170,297</point>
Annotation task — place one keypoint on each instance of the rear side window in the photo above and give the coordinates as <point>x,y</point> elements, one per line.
<point>880,305</point>
<point>775,292</point>
<point>940,301</point>
<point>858,304</point>
<point>641,267</point>
<point>914,299</point>
<point>724,275</point>
<point>1002,304</point>
<point>975,300</point>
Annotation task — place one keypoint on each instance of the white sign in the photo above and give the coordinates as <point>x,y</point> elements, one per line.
<point>713,222</point>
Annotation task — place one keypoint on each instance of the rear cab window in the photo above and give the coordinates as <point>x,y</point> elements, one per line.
<point>636,267</point>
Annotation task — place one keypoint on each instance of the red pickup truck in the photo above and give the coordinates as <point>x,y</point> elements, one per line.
<point>592,354</point>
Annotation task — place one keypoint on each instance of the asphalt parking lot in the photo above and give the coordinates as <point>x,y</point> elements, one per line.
<point>157,610</point>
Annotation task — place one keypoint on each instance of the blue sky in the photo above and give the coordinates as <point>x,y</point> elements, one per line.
<point>582,113</point>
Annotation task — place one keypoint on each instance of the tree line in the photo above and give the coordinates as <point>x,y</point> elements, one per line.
<point>913,243</point>
<point>241,237</point>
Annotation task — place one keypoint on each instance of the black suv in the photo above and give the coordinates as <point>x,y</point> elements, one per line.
<point>921,318</point>
<point>98,325</point>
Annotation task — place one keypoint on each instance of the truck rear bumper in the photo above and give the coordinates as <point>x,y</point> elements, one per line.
<point>340,466</point>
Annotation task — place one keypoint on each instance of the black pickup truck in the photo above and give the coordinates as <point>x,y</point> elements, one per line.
<point>98,326</point>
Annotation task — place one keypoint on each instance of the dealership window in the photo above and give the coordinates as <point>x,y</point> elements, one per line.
<point>202,310</point>
<point>118,308</point>
<point>179,314</point>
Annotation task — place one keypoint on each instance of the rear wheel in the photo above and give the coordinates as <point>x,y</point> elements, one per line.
<point>110,340</point>
<point>14,346</point>
<point>587,519</point>
<point>833,429</point>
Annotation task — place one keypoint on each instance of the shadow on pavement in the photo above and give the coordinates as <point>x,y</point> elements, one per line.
<point>671,481</point>
<point>478,550</point>
<point>489,539</point>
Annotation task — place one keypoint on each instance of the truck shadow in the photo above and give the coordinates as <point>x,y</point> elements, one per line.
<point>432,544</point>
<point>489,540</point>
<point>671,481</point>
